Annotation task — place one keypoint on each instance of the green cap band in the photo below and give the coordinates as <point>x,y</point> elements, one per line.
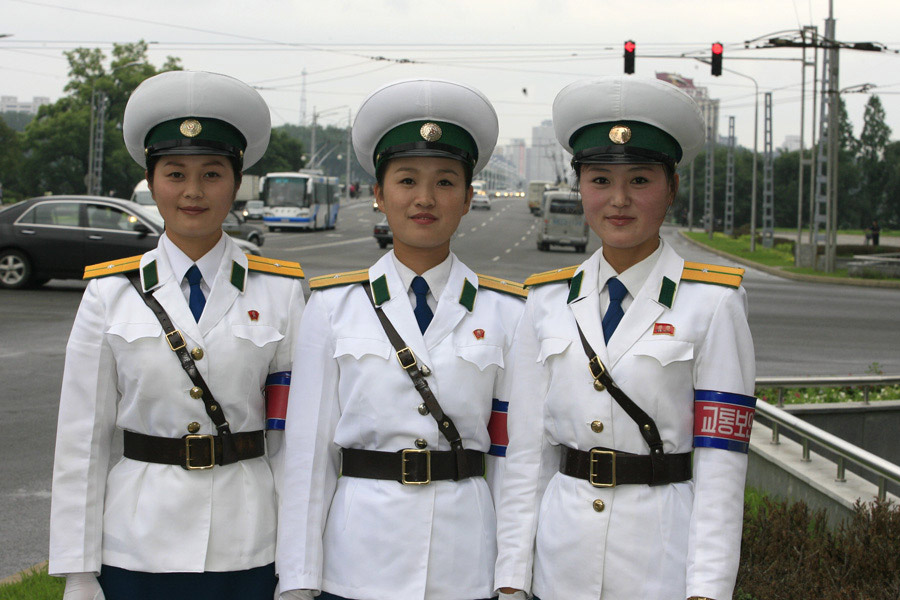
<point>427,138</point>
<point>624,136</point>
<point>195,132</point>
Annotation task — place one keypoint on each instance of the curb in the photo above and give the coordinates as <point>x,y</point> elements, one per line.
<point>18,576</point>
<point>779,272</point>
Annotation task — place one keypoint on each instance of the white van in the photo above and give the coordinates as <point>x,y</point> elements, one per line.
<point>535,196</point>
<point>141,195</point>
<point>564,223</point>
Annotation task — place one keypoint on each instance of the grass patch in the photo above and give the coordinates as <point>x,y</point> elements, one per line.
<point>34,585</point>
<point>782,255</point>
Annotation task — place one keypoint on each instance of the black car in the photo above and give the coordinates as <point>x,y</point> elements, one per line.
<point>55,237</point>
<point>383,234</point>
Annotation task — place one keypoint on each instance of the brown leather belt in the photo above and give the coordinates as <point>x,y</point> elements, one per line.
<point>410,466</point>
<point>192,452</point>
<point>603,467</point>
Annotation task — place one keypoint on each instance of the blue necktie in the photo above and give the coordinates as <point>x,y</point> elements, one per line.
<point>197,300</point>
<point>614,312</point>
<point>422,311</point>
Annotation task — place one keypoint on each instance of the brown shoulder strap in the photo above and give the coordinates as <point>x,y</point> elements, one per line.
<point>411,366</point>
<point>177,344</point>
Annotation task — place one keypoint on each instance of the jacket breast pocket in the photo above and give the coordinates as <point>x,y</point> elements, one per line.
<point>551,347</point>
<point>359,347</point>
<point>132,332</point>
<point>665,352</point>
<point>258,335</point>
<point>481,355</point>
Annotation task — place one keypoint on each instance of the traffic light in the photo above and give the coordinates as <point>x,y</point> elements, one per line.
<point>716,59</point>
<point>629,57</point>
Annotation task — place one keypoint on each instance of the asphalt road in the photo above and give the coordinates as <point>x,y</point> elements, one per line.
<point>798,328</point>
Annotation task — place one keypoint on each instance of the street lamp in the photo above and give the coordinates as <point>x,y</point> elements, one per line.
<point>99,102</point>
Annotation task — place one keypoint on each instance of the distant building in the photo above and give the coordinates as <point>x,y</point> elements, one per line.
<point>547,160</point>
<point>791,143</point>
<point>12,104</point>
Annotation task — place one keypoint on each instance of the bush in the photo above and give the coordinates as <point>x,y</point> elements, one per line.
<point>788,552</point>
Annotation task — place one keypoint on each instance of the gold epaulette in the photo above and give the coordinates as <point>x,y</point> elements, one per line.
<point>285,268</point>
<point>554,276</point>
<point>326,281</point>
<point>505,286</point>
<point>121,265</point>
<point>715,274</point>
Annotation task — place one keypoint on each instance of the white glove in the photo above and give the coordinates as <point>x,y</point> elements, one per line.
<point>294,595</point>
<point>520,595</point>
<point>83,586</point>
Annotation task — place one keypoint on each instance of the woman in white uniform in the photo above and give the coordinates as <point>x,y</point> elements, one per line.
<point>390,461</point>
<point>176,348</point>
<point>633,377</point>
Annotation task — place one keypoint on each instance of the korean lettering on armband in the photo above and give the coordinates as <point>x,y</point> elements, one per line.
<point>277,387</point>
<point>723,420</point>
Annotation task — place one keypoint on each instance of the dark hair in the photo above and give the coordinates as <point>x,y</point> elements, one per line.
<point>235,163</point>
<point>667,168</point>
<point>382,168</point>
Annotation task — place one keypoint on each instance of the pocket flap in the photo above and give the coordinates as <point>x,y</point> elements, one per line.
<point>133,331</point>
<point>551,346</point>
<point>665,351</point>
<point>358,347</point>
<point>481,355</point>
<point>259,335</point>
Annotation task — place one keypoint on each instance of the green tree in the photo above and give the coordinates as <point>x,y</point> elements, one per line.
<point>891,207</point>
<point>331,143</point>
<point>10,159</point>
<point>873,170</point>
<point>284,153</point>
<point>56,142</point>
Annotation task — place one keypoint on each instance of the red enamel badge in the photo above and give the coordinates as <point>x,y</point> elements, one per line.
<point>479,334</point>
<point>254,316</point>
<point>663,329</point>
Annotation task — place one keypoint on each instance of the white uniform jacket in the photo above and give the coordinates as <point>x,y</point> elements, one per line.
<point>369,538</point>
<point>120,372</point>
<point>665,542</point>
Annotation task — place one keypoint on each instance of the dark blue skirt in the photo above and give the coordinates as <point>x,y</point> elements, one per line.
<point>252,584</point>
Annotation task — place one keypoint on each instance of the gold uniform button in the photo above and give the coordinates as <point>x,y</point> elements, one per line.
<point>420,444</point>
<point>599,505</point>
<point>597,426</point>
<point>193,427</point>
<point>197,353</point>
<point>423,410</point>
<point>196,393</point>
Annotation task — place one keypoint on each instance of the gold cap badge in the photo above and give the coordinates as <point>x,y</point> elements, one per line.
<point>431,132</point>
<point>620,134</point>
<point>190,128</point>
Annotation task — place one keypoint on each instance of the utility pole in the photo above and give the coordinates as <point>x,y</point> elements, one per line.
<point>312,140</point>
<point>729,181</point>
<point>349,150</point>
<point>711,118</point>
<point>768,177</point>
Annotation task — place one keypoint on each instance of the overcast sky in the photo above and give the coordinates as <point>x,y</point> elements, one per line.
<point>520,53</point>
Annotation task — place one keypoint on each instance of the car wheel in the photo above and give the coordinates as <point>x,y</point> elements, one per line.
<point>254,239</point>
<point>15,270</point>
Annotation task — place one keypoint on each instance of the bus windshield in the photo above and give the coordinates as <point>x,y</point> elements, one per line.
<point>286,191</point>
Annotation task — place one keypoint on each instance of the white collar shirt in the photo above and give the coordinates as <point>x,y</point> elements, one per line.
<point>208,265</point>
<point>633,278</point>
<point>436,277</point>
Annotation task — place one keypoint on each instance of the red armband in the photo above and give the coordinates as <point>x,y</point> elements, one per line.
<point>277,387</point>
<point>497,428</point>
<point>723,420</point>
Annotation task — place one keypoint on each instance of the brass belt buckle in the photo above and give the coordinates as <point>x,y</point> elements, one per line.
<point>180,340</point>
<point>187,452</point>
<point>407,358</point>
<point>595,457</point>
<point>404,478</point>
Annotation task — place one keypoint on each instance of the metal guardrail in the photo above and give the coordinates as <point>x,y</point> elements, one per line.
<point>866,382</point>
<point>884,470</point>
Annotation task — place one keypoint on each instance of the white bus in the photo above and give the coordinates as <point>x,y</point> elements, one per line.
<point>300,200</point>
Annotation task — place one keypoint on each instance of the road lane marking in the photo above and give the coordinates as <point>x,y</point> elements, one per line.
<point>495,259</point>
<point>329,244</point>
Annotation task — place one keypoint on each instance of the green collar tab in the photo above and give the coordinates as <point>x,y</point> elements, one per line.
<point>438,135</point>
<point>630,134</point>
<point>575,286</point>
<point>380,290</point>
<point>467,297</point>
<point>667,292</point>
<point>151,277</point>
<point>238,275</point>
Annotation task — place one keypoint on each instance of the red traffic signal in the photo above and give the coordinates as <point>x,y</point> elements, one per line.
<point>716,59</point>
<point>629,57</point>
